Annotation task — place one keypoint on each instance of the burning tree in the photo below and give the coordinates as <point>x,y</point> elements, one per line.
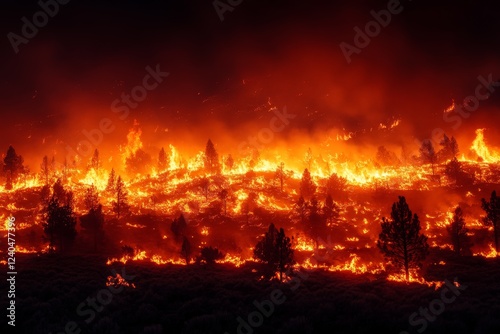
<point>492,218</point>
<point>211,160</point>
<point>385,157</point>
<point>454,171</point>
<point>111,181</point>
<point>280,174</point>
<point>95,162</point>
<point>162,160</point>
<point>45,169</point>
<point>249,205</point>
<point>120,205</point>
<point>458,233</point>
<point>229,162</point>
<point>275,250</point>
<point>401,241</point>
<point>307,186</point>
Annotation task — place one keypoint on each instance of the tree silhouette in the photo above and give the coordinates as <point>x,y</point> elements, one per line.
<point>249,205</point>
<point>13,163</point>
<point>211,160</point>
<point>229,162</point>
<point>275,250</point>
<point>401,241</point>
<point>91,199</point>
<point>428,154</point>
<point>335,185</point>
<point>138,162</point>
<point>120,205</point>
<point>280,174</point>
<point>95,162</point>
<point>449,150</point>
<point>330,209</point>
<point>204,185</point>
<point>301,208</point>
<point>458,233</point>
<point>454,171</point>
<point>209,255</point>
<point>93,222</point>
<point>45,169</point>
<point>179,227</point>
<point>307,186</point>
<point>385,157</point>
<point>308,158</point>
<point>111,185</point>
<point>317,222</point>
<point>8,181</point>
<point>223,197</point>
<point>162,160</point>
<point>492,218</point>
<point>59,226</point>
<point>186,250</point>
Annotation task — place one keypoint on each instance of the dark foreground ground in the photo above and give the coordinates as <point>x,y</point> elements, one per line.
<point>51,292</point>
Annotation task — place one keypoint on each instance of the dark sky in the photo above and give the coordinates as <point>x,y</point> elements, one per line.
<point>224,76</point>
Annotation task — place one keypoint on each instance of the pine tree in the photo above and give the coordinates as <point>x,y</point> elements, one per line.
<point>223,197</point>
<point>229,162</point>
<point>45,169</point>
<point>91,199</point>
<point>186,250</point>
<point>458,232</point>
<point>95,162</point>
<point>307,186</point>
<point>275,250</point>
<point>162,160</point>
<point>211,160</point>
<point>59,226</point>
<point>120,205</point>
<point>428,154</point>
<point>401,241</point>
<point>492,218</point>
<point>13,163</point>
<point>280,174</point>
<point>330,209</point>
<point>93,222</point>
<point>316,221</point>
<point>179,227</point>
<point>111,186</point>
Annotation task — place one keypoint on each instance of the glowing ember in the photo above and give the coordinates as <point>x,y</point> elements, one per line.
<point>118,281</point>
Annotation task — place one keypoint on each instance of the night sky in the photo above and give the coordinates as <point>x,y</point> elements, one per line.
<point>225,75</point>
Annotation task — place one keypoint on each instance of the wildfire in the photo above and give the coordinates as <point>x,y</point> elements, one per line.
<point>118,281</point>
<point>413,278</point>
<point>491,253</point>
<point>479,146</point>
